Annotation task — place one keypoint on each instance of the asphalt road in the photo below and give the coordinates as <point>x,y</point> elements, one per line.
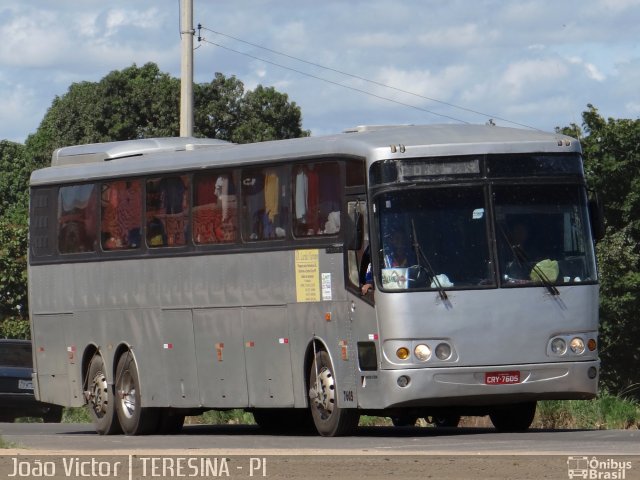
<point>246,440</point>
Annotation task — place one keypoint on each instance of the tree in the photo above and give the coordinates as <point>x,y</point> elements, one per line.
<point>142,102</point>
<point>611,151</point>
<point>15,176</point>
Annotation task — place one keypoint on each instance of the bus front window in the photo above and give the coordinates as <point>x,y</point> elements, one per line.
<point>543,231</point>
<point>432,238</point>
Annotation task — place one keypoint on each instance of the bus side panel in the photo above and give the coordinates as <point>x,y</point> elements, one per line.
<point>268,358</point>
<point>52,358</point>
<point>220,357</point>
<point>179,358</point>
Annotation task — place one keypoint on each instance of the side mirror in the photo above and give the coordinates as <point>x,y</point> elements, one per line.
<point>596,217</point>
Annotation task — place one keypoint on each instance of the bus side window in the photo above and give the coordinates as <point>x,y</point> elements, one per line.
<point>265,201</point>
<point>167,202</point>
<point>121,219</point>
<point>77,218</point>
<point>316,195</point>
<point>214,209</point>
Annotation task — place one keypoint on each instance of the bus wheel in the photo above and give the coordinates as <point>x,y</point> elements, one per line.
<point>329,419</point>
<point>134,419</point>
<point>440,421</point>
<point>513,418</point>
<point>100,399</point>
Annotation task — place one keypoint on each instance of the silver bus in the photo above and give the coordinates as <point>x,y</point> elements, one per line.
<point>407,272</point>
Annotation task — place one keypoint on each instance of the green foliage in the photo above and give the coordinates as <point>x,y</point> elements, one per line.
<point>76,415</point>
<point>605,412</point>
<point>142,102</point>
<point>612,165</point>
<point>223,417</point>
<point>14,327</point>
<point>13,266</point>
<point>15,176</point>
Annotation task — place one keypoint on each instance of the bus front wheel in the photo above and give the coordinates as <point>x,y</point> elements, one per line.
<point>513,418</point>
<point>330,420</point>
<point>134,419</point>
<point>101,400</point>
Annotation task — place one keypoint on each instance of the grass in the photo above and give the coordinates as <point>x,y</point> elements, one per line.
<point>605,412</point>
<point>4,444</point>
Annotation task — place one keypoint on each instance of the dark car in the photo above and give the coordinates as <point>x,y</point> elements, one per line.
<point>16,385</point>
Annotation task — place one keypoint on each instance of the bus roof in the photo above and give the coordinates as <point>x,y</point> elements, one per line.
<point>139,157</point>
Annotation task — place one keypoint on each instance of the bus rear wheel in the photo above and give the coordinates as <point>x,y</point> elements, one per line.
<point>330,420</point>
<point>134,419</point>
<point>513,418</point>
<point>101,399</point>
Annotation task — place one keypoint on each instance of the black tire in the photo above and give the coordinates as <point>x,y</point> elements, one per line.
<point>134,419</point>
<point>171,421</point>
<point>513,418</point>
<point>54,415</point>
<point>404,420</point>
<point>441,421</point>
<point>102,399</point>
<point>329,419</point>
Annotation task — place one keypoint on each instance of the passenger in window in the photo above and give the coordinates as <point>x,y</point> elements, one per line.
<point>397,253</point>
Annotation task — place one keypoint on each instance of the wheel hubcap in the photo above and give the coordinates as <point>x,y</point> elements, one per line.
<point>99,396</point>
<point>127,395</point>
<point>323,395</point>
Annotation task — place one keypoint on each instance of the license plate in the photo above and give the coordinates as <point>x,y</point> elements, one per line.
<point>501,378</point>
<point>25,384</point>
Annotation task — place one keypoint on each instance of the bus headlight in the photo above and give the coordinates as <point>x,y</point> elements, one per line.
<point>422,352</point>
<point>443,351</point>
<point>558,346</point>
<point>577,346</point>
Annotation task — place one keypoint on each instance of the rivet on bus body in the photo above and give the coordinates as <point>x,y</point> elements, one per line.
<point>592,372</point>
<point>403,381</point>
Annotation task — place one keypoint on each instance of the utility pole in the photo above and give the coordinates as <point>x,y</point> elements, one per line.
<point>186,76</point>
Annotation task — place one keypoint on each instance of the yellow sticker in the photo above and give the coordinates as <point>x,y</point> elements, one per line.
<point>307,275</point>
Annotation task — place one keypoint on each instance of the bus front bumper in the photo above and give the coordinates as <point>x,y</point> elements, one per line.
<point>478,386</point>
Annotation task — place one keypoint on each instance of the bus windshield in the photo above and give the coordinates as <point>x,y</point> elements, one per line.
<point>543,231</point>
<point>434,238</point>
<point>437,238</point>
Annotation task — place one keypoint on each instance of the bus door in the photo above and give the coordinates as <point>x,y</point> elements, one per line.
<point>362,313</point>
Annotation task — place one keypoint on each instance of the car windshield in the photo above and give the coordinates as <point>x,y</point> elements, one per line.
<point>543,235</point>
<point>15,355</point>
<point>433,238</point>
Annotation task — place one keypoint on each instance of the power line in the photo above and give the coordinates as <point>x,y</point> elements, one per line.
<point>358,77</point>
<point>332,82</point>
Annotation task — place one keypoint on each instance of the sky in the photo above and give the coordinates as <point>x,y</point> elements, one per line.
<point>533,63</point>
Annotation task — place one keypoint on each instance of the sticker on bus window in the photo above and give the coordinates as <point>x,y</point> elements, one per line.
<point>395,278</point>
<point>478,213</point>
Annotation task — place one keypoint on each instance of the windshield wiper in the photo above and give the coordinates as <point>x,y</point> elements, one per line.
<point>420,254</point>
<point>523,260</point>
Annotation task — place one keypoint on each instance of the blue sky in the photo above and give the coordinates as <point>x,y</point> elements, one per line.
<point>536,62</point>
